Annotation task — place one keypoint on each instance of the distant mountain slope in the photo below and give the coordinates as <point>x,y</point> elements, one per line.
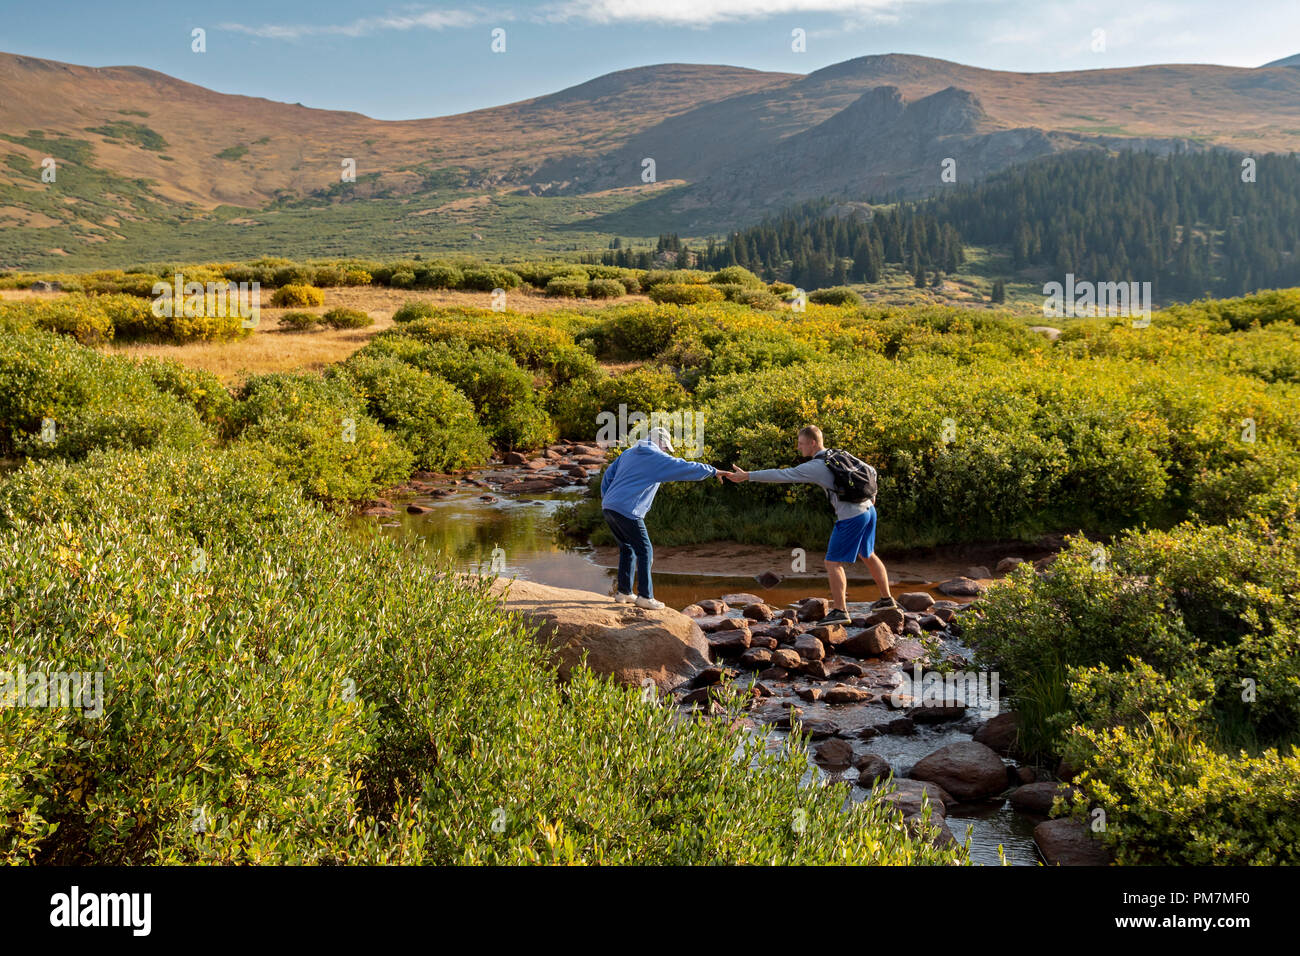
<point>145,157</point>
<point>215,148</point>
<point>745,152</point>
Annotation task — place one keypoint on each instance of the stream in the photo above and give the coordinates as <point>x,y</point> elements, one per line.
<point>468,529</point>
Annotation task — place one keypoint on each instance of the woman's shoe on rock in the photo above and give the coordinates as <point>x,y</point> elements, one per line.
<point>649,604</point>
<point>622,598</point>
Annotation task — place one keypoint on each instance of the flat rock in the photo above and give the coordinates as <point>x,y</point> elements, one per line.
<point>845,694</point>
<point>631,645</point>
<point>961,587</point>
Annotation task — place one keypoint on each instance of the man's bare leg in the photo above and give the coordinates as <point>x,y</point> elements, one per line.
<point>878,572</point>
<point>839,585</point>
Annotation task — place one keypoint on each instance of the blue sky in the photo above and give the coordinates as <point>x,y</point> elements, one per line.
<point>404,60</point>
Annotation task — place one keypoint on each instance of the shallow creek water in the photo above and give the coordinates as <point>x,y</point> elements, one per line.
<point>469,529</point>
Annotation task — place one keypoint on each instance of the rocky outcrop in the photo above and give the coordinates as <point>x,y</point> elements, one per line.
<point>621,641</point>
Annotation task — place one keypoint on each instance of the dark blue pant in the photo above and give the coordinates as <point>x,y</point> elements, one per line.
<point>633,549</point>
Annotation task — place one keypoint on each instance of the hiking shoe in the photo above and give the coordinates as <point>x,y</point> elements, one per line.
<point>622,598</point>
<point>884,602</point>
<point>649,603</point>
<point>835,617</point>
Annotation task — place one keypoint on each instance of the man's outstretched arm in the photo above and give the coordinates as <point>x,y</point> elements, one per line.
<point>805,473</point>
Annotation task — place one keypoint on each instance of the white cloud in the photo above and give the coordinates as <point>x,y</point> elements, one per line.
<point>688,13</point>
<point>708,12</point>
<point>364,26</point>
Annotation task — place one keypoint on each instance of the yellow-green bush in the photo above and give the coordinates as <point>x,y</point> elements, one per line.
<point>684,294</point>
<point>297,295</point>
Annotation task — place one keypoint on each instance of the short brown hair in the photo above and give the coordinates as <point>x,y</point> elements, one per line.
<point>811,431</point>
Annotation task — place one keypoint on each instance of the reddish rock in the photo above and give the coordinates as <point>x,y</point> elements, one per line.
<point>834,753</point>
<point>871,642</point>
<point>999,733</point>
<point>786,658</point>
<point>845,694</point>
<point>968,770</point>
<point>915,601</point>
<point>742,599</point>
<point>1038,797</point>
<point>886,615</point>
<point>809,647</point>
<point>830,634</point>
<point>757,612</point>
<point>1066,842</point>
<point>961,587</point>
<point>813,609</point>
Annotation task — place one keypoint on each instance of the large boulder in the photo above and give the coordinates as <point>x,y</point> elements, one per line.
<point>1066,842</point>
<point>622,641</point>
<point>1000,733</point>
<point>967,770</point>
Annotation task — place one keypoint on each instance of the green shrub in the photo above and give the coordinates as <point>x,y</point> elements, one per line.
<point>541,348</point>
<point>439,277</point>
<point>487,278</point>
<point>307,699</point>
<point>198,388</point>
<point>300,321</point>
<point>1172,799</point>
<point>297,295</point>
<point>347,319</point>
<point>570,287</point>
<point>402,279</point>
<point>683,294</point>
<point>317,434</point>
<point>736,275</point>
<point>757,299</point>
<point>606,289</point>
<point>433,419</point>
<point>295,274</point>
<point>227,497</point>
<point>92,400</point>
<point>648,389</point>
<point>410,311</point>
<point>835,295</point>
<point>500,391</point>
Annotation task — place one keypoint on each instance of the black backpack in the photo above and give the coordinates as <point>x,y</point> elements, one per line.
<point>855,480</point>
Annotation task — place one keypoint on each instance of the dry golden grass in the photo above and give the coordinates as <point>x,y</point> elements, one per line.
<point>270,349</point>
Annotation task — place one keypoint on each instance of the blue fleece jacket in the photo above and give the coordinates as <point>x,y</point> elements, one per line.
<point>630,483</point>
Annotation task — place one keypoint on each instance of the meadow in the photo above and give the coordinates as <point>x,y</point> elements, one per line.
<point>295,705</point>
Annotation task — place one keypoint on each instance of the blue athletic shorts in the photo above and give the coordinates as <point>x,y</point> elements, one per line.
<point>853,537</point>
